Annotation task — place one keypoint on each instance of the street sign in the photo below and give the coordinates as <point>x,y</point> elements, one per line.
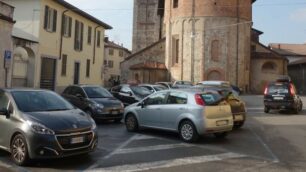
<point>7,59</point>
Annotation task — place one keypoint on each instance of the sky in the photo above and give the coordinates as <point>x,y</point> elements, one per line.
<point>282,21</point>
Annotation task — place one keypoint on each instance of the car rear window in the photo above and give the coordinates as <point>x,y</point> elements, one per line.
<point>278,88</point>
<point>211,98</point>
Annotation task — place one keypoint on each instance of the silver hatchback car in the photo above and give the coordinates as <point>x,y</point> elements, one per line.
<point>191,113</point>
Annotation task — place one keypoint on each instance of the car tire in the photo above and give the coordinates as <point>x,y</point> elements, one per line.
<point>19,150</point>
<point>221,135</point>
<point>238,125</point>
<point>131,123</point>
<point>188,132</point>
<point>267,109</point>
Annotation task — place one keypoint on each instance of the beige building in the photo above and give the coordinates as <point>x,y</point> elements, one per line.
<point>70,43</point>
<point>6,44</point>
<point>114,54</point>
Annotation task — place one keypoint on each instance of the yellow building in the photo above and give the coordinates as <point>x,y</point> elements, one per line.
<point>70,43</point>
<point>114,55</point>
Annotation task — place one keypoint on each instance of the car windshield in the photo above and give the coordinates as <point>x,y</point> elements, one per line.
<point>140,91</point>
<point>211,98</point>
<point>39,101</point>
<point>280,89</point>
<point>97,92</point>
<point>159,88</point>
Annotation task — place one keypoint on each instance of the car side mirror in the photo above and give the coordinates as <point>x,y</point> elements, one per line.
<point>5,112</point>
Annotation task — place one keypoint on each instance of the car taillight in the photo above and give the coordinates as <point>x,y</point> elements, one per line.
<point>199,100</point>
<point>266,91</point>
<point>292,91</point>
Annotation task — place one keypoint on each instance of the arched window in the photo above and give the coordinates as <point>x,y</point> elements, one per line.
<point>269,67</point>
<point>215,50</point>
<point>214,76</point>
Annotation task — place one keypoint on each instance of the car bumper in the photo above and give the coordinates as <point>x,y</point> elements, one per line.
<point>279,105</point>
<point>217,125</point>
<point>108,115</point>
<point>48,146</point>
<point>239,117</point>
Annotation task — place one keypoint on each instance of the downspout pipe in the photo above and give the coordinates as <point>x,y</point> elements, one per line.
<point>237,48</point>
<point>193,41</point>
<point>62,34</point>
<point>95,44</point>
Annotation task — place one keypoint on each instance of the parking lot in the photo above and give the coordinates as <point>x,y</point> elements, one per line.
<point>267,142</point>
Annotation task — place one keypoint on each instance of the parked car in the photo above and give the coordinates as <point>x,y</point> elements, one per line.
<point>96,101</point>
<point>190,113</point>
<point>182,84</point>
<point>220,84</point>
<point>166,84</point>
<point>153,88</point>
<point>129,93</point>
<point>39,124</point>
<point>238,108</point>
<point>282,95</point>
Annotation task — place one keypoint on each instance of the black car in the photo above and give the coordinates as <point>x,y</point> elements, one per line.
<point>40,124</point>
<point>282,95</point>
<point>130,94</point>
<point>95,101</point>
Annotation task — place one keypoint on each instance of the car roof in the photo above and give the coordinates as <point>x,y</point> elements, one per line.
<point>214,82</point>
<point>23,89</point>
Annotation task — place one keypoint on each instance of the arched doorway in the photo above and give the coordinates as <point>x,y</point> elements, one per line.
<point>23,67</point>
<point>214,76</point>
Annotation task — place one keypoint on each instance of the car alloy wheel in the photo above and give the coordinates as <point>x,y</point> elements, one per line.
<point>19,151</point>
<point>131,123</point>
<point>188,132</point>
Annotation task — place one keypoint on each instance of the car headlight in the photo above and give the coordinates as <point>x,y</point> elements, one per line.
<point>39,128</point>
<point>97,106</point>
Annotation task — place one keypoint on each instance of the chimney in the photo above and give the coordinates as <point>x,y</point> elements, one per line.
<point>279,46</point>
<point>106,39</point>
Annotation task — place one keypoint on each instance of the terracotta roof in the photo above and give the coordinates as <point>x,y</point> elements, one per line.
<point>298,62</point>
<point>271,54</point>
<point>293,48</point>
<point>152,45</point>
<point>82,13</point>
<point>149,65</point>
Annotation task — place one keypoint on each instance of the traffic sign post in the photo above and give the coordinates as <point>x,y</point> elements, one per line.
<point>7,64</point>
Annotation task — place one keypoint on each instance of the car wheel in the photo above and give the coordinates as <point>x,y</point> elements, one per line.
<point>131,123</point>
<point>19,150</point>
<point>188,132</point>
<point>238,125</point>
<point>221,135</point>
<point>267,109</point>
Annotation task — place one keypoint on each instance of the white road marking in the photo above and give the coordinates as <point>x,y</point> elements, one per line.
<point>151,148</point>
<point>169,163</point>
<point>274,157</point>
<point>112,153</point>
<point>144,137</point>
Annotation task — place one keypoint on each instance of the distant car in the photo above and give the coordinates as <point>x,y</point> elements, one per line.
<point>282,95</point>
<point>96,101</point>
<point>182,84</point>
<point>40,124</point>
<point>237,105</point>
<point>165,84</point>
<point>220,84</point>
<point>153,88</point>
<point>190,113</point>
<point>129,93</point>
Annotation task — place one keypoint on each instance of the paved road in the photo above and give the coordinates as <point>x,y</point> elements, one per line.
<point>267,142</point>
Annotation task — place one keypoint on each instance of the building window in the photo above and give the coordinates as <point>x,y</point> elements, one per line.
<point>78,39</point>
<point>89,35</point>
<point>269,67</point>
<point>111,51</point>
<point>215,50</point>
<point>87,68</point>
<point>175,3</point>
<point>50,19</point>
<point>110,64</point>
<point>67,24</point>
<point>99,38</point>
<point>121,53</point>
<point>64,65</point>
<point>176,50</point>
<point>105,62</point>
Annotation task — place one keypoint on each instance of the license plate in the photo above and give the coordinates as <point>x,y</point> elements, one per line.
<point>221,123</point>
<point>77,140</point>
<point>278,98</point>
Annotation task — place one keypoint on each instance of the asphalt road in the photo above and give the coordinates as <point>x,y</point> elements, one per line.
<point>267,142</point>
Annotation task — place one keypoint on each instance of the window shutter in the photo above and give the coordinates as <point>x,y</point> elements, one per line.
<point>54,20</point>
<point>76,35</point>
<point>70,25</point>
<point>46,17</point>
<point>64,23</point>
<point>82,29</point>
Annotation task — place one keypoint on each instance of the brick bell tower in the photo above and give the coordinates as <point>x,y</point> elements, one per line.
<point>148,23</point>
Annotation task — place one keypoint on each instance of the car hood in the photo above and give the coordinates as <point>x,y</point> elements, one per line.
<point>107,102</point>
<point>61,120</point>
